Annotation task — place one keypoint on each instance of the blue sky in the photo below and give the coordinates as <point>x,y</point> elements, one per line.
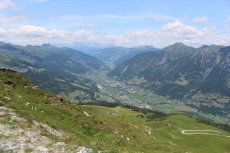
<point>126,23</point>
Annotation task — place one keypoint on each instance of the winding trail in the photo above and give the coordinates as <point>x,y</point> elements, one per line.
<point>206,132</point>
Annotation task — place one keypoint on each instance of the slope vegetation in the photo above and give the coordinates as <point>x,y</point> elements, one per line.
<point>59,70</point>
<point>196,76</point>
<point>115,129</point>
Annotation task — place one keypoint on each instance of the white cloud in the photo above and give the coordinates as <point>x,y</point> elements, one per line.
<point>119,40</point>
<point>225,29</point>
<point>226,26</point>
<point>170,33</point>
<point>177,26</point>
<point>4,4</point>
<point>179,30</point>
<point>174,32</point>
<point>156,17</point>
<point>29,31</point>
<point>9,20</point>
<point>2,32</point>
<point>209,30</point>
<point>93,26</point>
<point>221,39</point>
<point>200,20</point>
<point>36,35</point>
<point>82,35</point>
<point>228,19</point>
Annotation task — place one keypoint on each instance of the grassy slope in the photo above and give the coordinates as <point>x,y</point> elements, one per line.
<point>98,132</point>
<point>172,136</point>
<point>103,130</point>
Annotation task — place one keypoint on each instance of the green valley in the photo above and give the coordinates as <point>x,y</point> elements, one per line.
<point>195,78</point>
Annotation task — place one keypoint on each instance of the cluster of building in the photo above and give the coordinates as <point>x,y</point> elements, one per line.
<point>114,84</point>
<point>177,102</point>
<point>122,94</point>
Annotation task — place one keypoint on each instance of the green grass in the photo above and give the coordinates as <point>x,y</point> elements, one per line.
<point>157,98</point>
<point>104,129</point>
<point>181,81</point>
<point>27,150</point>
<point>166,108</point>
<point>137,81</point>
<point>97,132</point>
<point>184,108</point>
<point>137,96</point>
<point>196,143</point>
<point>172,135</point>
<point>98,76</point>
<point>123,100</point>
<point>112,90</point>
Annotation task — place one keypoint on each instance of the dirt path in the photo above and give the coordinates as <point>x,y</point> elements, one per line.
<point>202,132</point>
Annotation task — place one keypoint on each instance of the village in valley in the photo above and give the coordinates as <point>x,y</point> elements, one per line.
<point>125,93</point>
<point>117,91</point>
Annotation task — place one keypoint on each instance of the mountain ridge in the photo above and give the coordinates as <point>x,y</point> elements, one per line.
<point>59,70</point>
<point>199,78</point>
<point>116,55</point>
<point>152,59</point>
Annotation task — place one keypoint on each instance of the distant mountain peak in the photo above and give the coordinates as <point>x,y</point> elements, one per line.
<point>211,48</point>
<point>203,46</point>
<point>147,47</point>
<point>46,45</point>
<point>116,55</point>
<point>226,49</point>
<point>2,43</point>
<point>178,47</point>
<point>178,44</point>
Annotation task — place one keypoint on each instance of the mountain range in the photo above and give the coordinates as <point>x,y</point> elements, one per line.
<point>115,55</point>
<point>59,70</point>
<point>197,76</point>
<point>84,47</point>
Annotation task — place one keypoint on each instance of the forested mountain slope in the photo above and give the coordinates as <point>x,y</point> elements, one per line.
<point>199,77</point>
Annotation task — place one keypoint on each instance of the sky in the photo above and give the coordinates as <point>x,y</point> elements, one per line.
<point>127,23</point>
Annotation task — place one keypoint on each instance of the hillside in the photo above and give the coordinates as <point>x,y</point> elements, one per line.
<point>116,55</point>
<point>197,77</point>
<point>149,60</point>
<point>63,126</point>
<point>59,70</point>
<point>50,58</point>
